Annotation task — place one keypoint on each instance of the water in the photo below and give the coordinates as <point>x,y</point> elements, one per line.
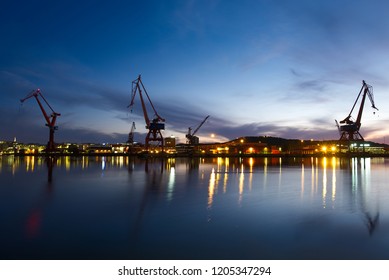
<point>215,208</point>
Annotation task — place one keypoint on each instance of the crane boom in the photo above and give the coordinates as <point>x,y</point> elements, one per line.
<point>192,139</point>
<point>137,86</point>
<point>50,120</point>
<point>200,125</point>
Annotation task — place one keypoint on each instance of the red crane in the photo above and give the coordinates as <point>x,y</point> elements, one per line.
<point>157,123</point>
<point>350,129</point>
<point>50,120</point>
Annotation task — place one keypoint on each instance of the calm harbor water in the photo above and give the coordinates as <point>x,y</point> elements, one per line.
<point>213,208</point>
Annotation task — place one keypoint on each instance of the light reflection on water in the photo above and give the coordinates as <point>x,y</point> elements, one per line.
<point>199,208</point>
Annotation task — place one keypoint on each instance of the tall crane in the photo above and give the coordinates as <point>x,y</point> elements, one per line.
<point>157,123</point>
<point>131,134</point>
<point>191,138</point>
<point>349,129</point>
<point>50,120</point>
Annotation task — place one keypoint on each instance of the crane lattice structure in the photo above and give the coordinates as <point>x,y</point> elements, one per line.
<point>155,125</point>
<point>50,120</point>
<point>349,129</point>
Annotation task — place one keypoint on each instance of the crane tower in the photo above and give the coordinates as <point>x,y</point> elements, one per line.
<point>348,128</point>
<point>155,125</point>
<point>50,120</point>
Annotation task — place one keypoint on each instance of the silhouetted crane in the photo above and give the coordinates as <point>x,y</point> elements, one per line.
<point>50,120</point>
<point>191,138</point>
<point>131,134</point>
<point>157,123</point>
<point>350,129</point>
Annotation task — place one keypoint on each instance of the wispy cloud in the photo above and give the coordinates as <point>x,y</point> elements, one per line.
<point>295,66</point>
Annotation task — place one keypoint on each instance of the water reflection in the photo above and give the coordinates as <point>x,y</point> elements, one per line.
<point>333,179</point>
<point>322,178</point>
<point>241,167</point>
<point>241,183</point>
<point>171,184</point>
<point>324,193</point>
<point>211,188</point>
<point>36,214</point>
<point>362,192</point>
<point>157,206</point>
<point>103,159</point>
<point>50,163</point>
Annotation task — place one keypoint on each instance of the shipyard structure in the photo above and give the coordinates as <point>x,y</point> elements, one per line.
<point>350,141</point>
<point>242,146</point>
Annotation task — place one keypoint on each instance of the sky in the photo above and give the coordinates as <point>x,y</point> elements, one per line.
<point>257,67</point>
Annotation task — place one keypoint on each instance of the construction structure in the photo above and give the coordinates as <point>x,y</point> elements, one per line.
<point>50,120</point>
<point>349,129</point>
<point>154,126</point>
<point>191,139</point>
<point>131,134</point>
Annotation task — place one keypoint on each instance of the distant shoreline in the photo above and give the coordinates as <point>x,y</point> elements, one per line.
<point>160,155</point>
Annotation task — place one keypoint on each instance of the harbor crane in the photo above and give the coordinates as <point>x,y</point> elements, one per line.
<point>157,123</point>
<point>131,134</point>
<point>349,129</point>
<point>191,138</point>
<point>50,120</point>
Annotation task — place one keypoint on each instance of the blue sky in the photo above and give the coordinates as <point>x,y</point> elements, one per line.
<point>266,67</point>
